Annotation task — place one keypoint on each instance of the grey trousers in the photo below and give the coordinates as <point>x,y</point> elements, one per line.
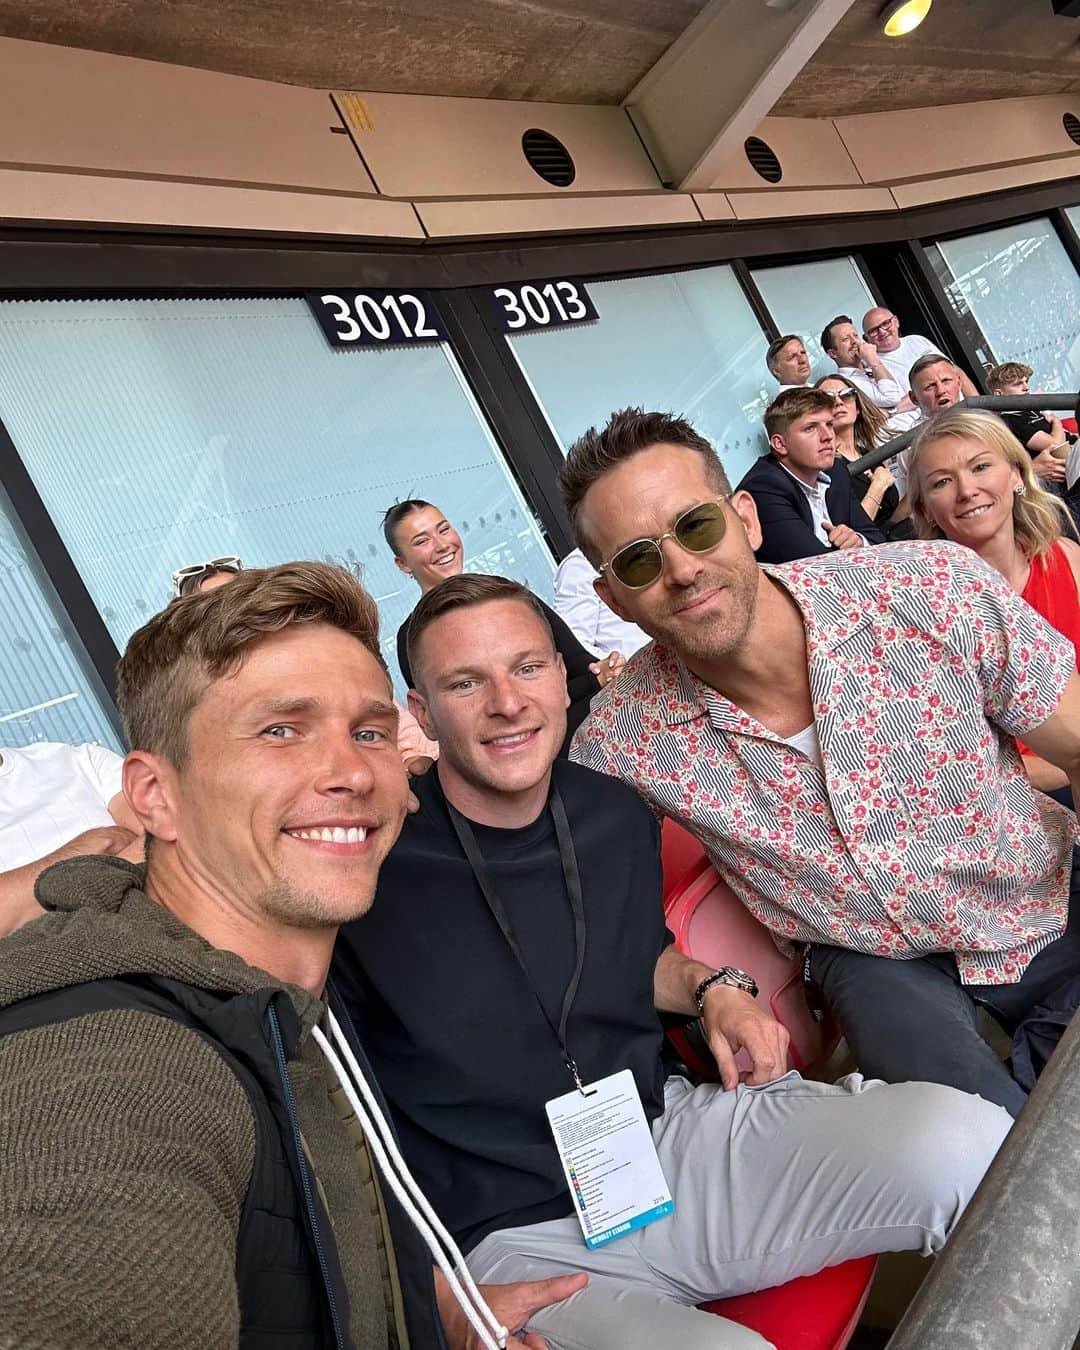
<point>769,1183</point>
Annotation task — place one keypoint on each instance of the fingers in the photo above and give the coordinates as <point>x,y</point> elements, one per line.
<point>766,1042</point>
<point>117,838</point>
<point>543,1293</point>
<point>725,1059</point>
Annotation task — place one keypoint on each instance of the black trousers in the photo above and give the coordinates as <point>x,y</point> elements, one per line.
<point>914,1021</point>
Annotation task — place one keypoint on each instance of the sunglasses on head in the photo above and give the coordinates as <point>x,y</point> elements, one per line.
<point>184,577</point>
<point>639,564</point>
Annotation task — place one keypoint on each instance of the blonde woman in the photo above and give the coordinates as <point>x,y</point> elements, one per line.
<point>970,480</point>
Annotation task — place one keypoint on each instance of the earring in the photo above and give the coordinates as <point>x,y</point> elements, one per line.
<point>1018,489</point>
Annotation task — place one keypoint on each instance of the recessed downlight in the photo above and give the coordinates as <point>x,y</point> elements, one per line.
<point>900,17</point>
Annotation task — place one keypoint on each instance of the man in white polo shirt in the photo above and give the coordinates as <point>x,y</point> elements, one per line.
<point>898,354</point>
<point>57,801</point>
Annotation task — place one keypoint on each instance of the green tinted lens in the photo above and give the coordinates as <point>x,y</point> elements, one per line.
<point>638,563</point>
<point>701,528</point>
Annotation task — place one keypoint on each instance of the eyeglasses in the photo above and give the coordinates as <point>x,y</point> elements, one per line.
<point>882,327</point>
<point>184,575</point>
<point>639,564</point>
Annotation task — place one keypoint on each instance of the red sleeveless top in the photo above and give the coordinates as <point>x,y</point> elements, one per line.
<point>1051,592</point>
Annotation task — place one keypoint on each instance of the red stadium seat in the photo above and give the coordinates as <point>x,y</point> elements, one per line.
<point>711,925</point>
<point>816,1312</point>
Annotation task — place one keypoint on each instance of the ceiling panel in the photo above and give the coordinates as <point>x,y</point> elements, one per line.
<point>965,50</point>
<point>590,51</point>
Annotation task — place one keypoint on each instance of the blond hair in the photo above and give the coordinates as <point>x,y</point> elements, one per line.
<point>1038,518</point>
<point>170,661</point>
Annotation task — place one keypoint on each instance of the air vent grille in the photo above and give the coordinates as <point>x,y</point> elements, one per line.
<point>763,159</point>
<point>1071,123</point>
<point>548,157</point>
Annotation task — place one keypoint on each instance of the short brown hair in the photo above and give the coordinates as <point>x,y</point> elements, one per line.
<point>826,332</point>
<point>200,638</point>
<point>461,592</point>
<point>1009,372</point>
<point>791,404</point>
<point>925,362</point>
<point>626,434</point>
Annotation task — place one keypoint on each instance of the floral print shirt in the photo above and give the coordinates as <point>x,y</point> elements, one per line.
<point>919,832</point>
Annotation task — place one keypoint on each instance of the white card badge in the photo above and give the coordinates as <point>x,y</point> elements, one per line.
<point>609,1158</point>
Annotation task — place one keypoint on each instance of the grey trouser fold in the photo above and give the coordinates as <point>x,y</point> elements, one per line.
<point>769,1183</point>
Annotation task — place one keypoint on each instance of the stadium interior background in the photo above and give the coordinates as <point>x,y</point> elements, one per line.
<point>548,211</point>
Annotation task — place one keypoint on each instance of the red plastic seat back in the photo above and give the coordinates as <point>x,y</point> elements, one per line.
<point>710,924</point>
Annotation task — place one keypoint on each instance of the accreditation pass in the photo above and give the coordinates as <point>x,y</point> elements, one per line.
<point>609,1158</point>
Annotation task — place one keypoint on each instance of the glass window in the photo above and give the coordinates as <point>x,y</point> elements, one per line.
<point>684,342</point>
<point>165,432</point>
<point>46,693</point>
<point>803,297</point>
<point>1017,294</point>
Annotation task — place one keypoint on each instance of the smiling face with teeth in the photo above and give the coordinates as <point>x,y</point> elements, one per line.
<point>491,688</point>
<point>968,490</point>
<point>290,796</point>
<point>428,547</point>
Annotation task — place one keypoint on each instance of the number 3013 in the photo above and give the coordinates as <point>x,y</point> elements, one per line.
<point>541,306</point>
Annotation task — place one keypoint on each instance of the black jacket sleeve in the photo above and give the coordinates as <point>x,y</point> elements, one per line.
<point>787,531</point>
<point>581,683</point>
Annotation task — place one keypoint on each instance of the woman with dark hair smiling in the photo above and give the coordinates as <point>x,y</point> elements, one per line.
<point>970,480</point>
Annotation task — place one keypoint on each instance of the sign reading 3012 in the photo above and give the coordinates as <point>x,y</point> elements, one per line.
<point>542,304</point>
<point>376,318</point>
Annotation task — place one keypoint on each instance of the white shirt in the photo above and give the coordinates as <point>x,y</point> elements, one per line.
<point>816,497</point>
<point>785,387</point>
<point>899,361</point>
<point>885,393</point>
<point>51,792</point>
<point>594,625</point>
<point>808,744</point>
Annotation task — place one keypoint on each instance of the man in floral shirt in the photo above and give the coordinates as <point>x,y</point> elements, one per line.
<point>839,734</point>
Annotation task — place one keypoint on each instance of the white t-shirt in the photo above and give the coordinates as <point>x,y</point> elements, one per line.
<point>899,362</point>
<point>49,793</point>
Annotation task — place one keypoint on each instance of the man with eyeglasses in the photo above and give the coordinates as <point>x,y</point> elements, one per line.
<point>898,354</point>
<point>839,734</point>
<point>803,493</point>
<point>513,966</point>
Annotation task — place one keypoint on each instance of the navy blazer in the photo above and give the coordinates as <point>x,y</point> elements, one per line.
<point>787,525</point>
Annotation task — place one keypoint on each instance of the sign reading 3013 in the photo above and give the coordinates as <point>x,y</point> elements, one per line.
<point>376,317</point>
<point>541,304</point>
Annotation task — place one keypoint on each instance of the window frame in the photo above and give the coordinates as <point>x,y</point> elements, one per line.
<point>103,263</point>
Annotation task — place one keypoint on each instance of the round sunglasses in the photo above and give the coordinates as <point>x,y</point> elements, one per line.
<point>640,563</point>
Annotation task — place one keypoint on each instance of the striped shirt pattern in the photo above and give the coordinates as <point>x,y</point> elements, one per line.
<point>920,831</point>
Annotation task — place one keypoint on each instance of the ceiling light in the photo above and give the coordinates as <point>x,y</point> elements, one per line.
<point>904,16</point>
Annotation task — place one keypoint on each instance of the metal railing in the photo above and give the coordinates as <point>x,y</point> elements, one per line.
<point>994,402</point>
<point>1009,1278</point>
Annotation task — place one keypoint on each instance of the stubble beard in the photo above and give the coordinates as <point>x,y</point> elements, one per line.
<point>715,636</point>
<point>308,910</point>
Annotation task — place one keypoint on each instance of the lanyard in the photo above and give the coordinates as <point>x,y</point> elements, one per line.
<point>572,878</point>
